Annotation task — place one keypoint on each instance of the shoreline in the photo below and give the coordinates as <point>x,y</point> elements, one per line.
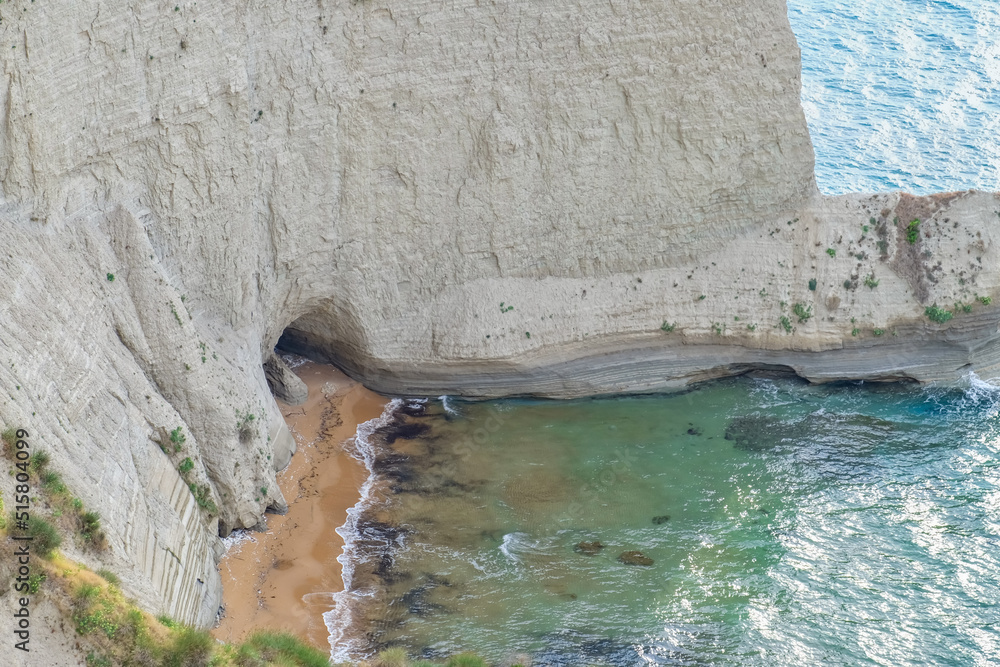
<point>285,578</point>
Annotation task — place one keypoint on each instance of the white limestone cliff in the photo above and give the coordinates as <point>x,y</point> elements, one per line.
<point>183,183</point>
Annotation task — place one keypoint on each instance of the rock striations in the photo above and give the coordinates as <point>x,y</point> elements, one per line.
<point>474,198</point>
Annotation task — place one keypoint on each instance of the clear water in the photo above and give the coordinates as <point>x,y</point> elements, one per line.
<point>849,524</point>
<point>843,525</point>
<point>901,94</point>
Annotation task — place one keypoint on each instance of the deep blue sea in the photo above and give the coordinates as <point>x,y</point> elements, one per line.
<point>750,521</point>
<point>901,94</point>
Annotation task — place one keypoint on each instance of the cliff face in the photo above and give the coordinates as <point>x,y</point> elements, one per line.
<point>475,198</point>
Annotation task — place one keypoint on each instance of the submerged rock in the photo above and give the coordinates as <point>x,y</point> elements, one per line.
<point>634,558</point>
<point>662,519</point>
<point>758,433</point>
<point>588,548</point>
<point>400,430</point>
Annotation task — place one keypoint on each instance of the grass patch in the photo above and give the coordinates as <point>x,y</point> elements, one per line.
<point>109,576</point>
<point>284,649</point>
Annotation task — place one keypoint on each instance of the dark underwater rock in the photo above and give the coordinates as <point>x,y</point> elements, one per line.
<point>400,430</point>
<point>758,433</point>
<point>662,519</point>
<point>588,548</point>
<point>634,558</point>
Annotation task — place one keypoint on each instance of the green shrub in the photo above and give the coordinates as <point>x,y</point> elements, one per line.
<point>35,582</point>
<point>985,300</point>
<point>668,327</point>
<point>878,332</point>
<point>802,311</point>
<point>831,252</point>
<point>186,466</point>
<point>190,648</point>
<point>52,482</point>
<point>912,233</point>
<point>93,611</point>
<point>202,497</point>
<point>44,537</point>
<point>177,438</point>
<point>871,282</point>
<point>786,324</point>
<point>812,284</point>
<point>939,315</point>
<point>109,576</point>
<point>39,461</point>
<point>167,621</point>
<point>90,526</point>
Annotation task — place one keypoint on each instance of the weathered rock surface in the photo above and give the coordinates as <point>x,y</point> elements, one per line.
<point>284,384</point>
<point>181,184</point>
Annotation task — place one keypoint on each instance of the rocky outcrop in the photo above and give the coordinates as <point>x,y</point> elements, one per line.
<point>480,199</point>
<point>284,384</point>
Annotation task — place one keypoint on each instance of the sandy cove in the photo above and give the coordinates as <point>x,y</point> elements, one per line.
<point>282,579</point>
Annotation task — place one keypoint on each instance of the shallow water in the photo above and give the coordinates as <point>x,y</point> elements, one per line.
<point>848,524</point>
<point>901,94</point>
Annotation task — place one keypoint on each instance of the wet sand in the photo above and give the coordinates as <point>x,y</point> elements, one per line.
<point>282,579</point>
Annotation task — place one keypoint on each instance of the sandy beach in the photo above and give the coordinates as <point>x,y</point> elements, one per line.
<point>282,579</point>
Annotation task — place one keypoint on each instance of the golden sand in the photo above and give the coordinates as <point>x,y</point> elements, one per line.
<point>284,579</point>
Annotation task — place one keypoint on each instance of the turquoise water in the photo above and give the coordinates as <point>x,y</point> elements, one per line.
<point>783,524</point>
<point>901,94</point>
<point>786,524</point>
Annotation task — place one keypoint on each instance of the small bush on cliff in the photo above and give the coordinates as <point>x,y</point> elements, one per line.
<point>44,537</point>
<point>939,315</point>
<point>190,648</point>
<point>177,438</point>
<point>912,233</point>
<point>802,311</point>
